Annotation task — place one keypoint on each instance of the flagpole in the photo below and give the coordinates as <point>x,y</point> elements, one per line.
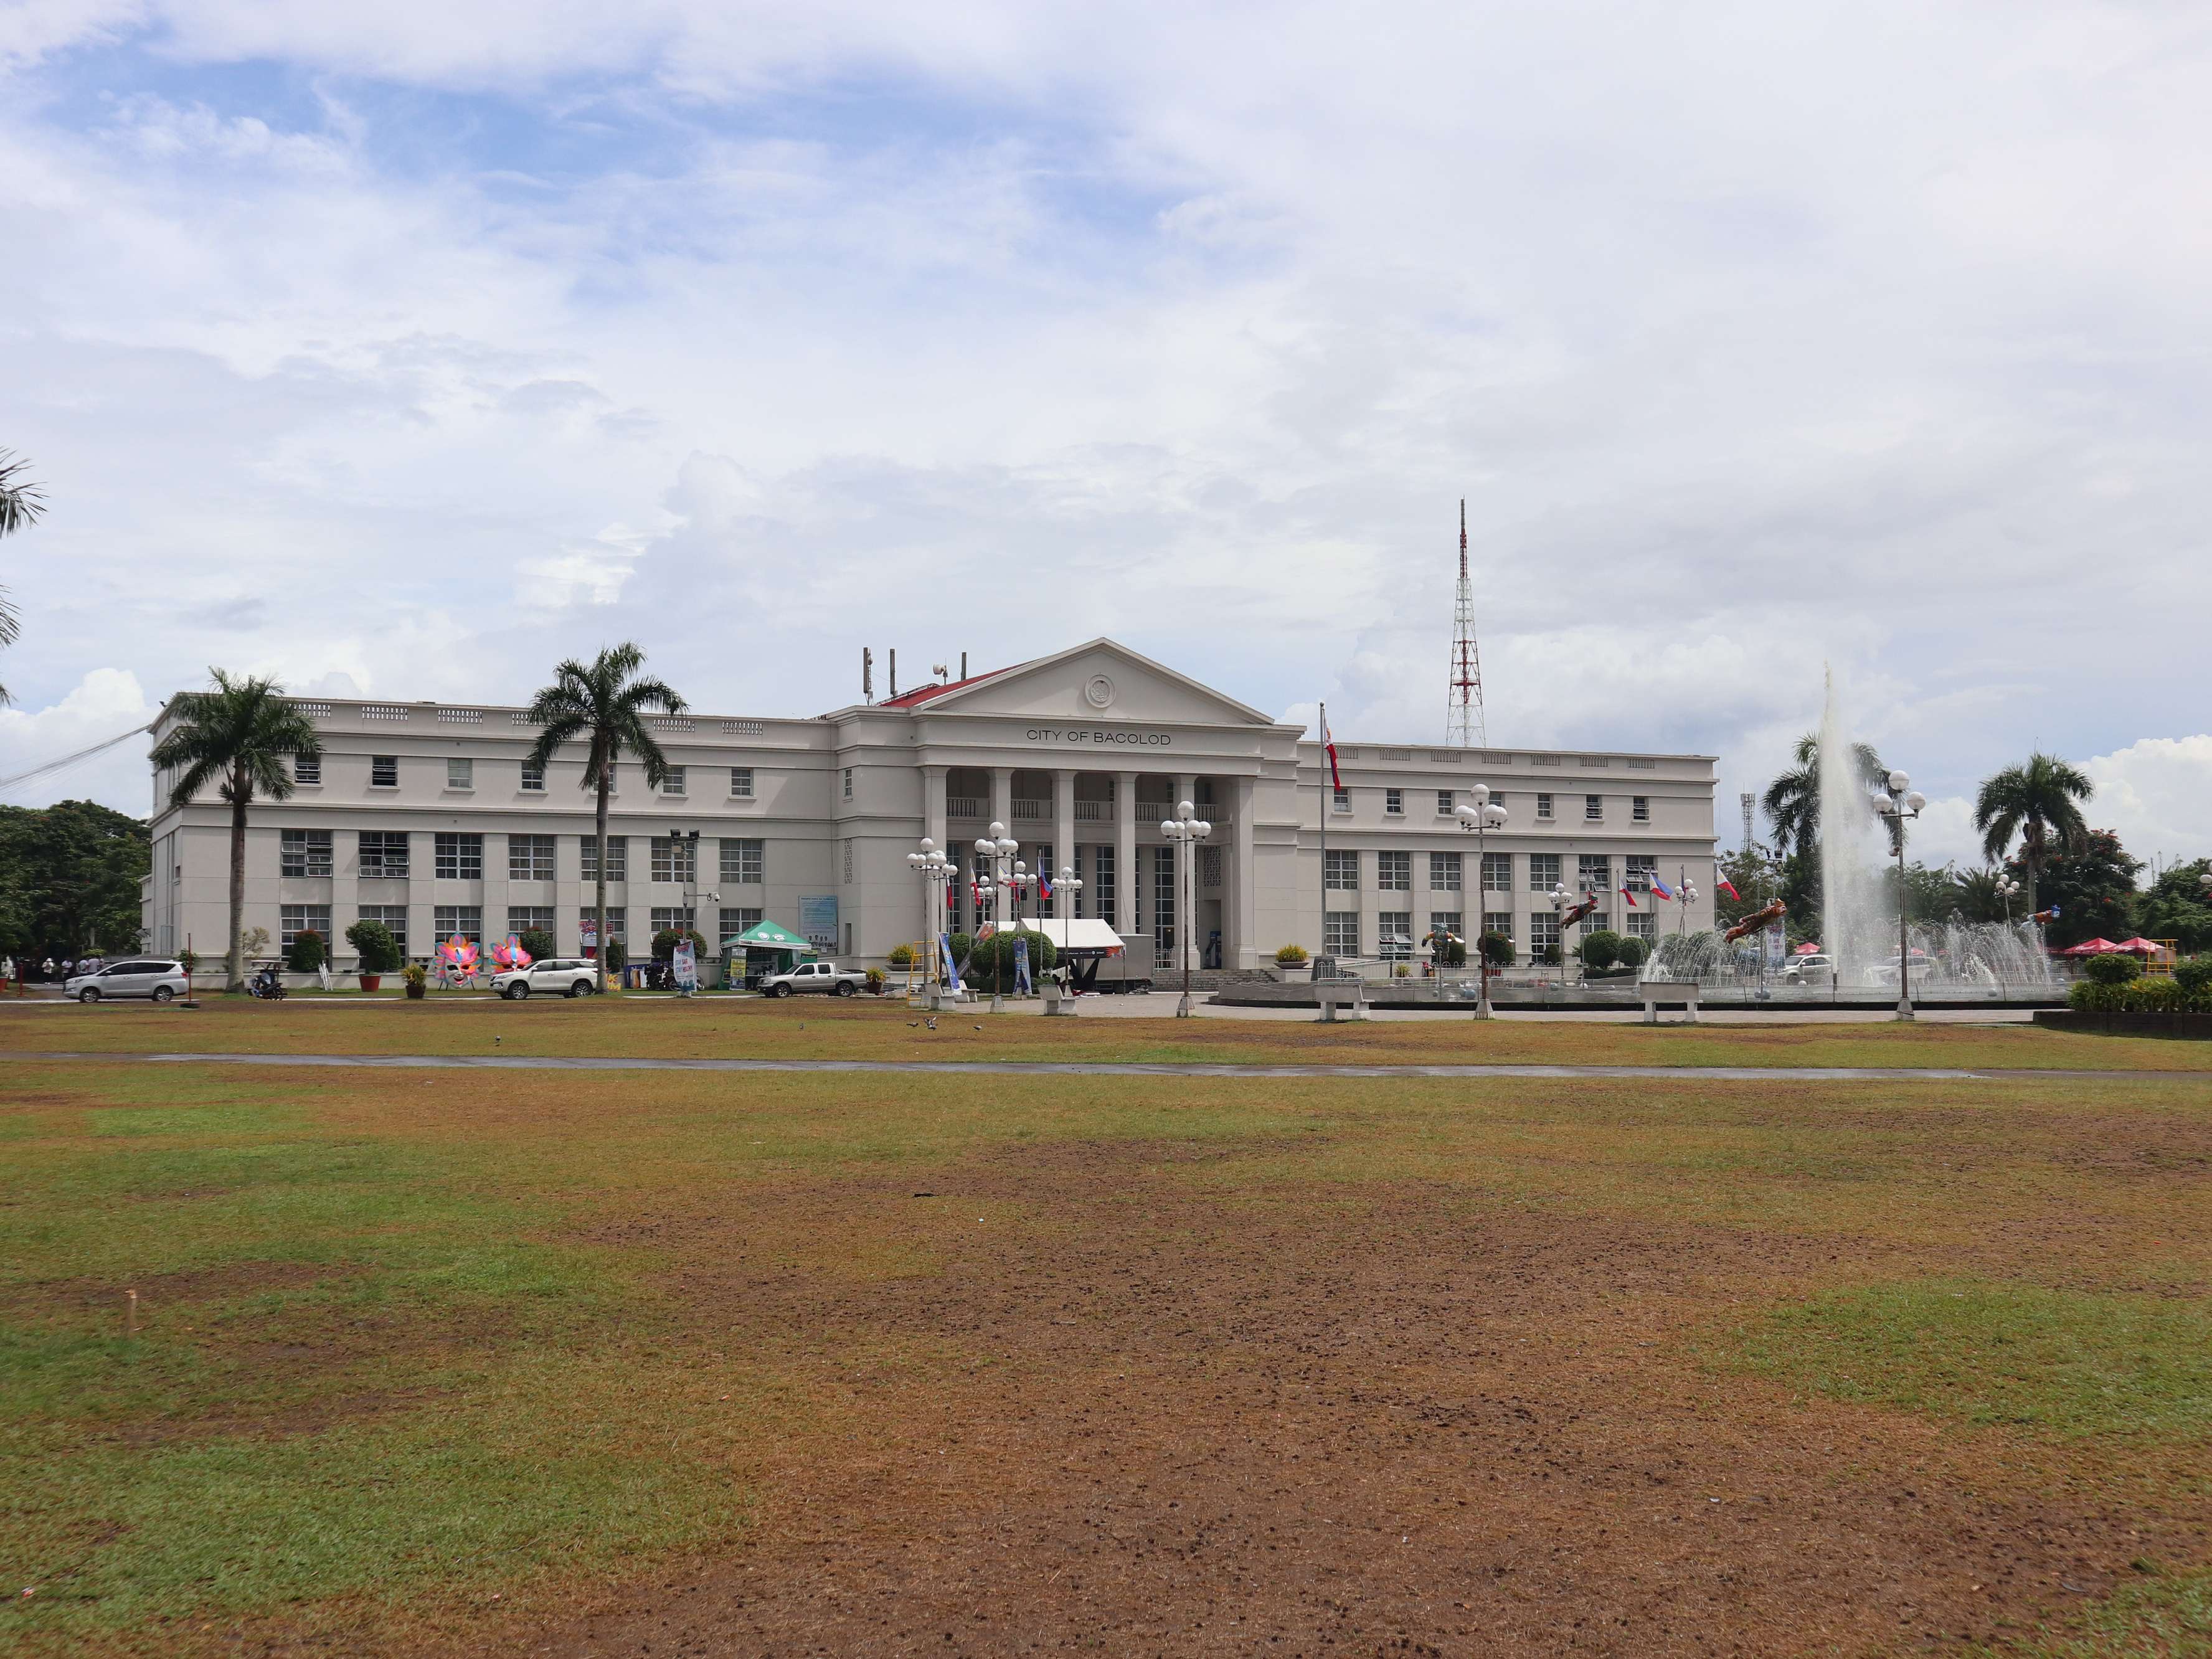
<point>1321,945</point>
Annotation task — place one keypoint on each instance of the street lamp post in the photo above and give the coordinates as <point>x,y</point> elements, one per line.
<point>1065,886</point>
<point>999,847</point>
<point>1902,802</point>
<point>1186,830</point>
<point>1561,898</point>
<point>1685,895</point>
<point>935,869</point>
<point>2006,889</point>
<point>1481,816</point>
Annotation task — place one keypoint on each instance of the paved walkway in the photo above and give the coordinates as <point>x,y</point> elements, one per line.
<point>1103,1068</point>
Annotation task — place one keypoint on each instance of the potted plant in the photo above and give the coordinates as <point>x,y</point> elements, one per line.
<point>617,957</point>
<point>417,978</point>
<point>1292,965</point>
<point>877,981</point>
<point>378,952</point>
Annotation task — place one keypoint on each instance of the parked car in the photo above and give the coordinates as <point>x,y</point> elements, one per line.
<point>823,977</point>
<point>567,976</point>
<point>141,977</point>
<point>1885,972</point>
<point>1809,970</point>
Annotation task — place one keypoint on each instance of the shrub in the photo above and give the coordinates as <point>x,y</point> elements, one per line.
<point>1401,970</point>
<point>2194,975</point>
<point>1600,950</point>
<point>372,942</point>
<point>666,941</point>
<point>2111,970</point>
<point>539,944</point>
<point>900,955</point>
<point>1497,950</point>
<point>1456,954</point>
<point>616,956</point>
<point>1291,955</point>
<point>992,966</point>
<point>1634,951</point>
<point>189,959</point>
<point>306,953</point>
<point>2153,995</point>
<point>876,979</point>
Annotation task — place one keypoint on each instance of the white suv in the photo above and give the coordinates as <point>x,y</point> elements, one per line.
<point>159,979</point>
<point>557,976</point>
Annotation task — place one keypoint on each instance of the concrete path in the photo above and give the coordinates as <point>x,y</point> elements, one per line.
<point>1101,1068</point>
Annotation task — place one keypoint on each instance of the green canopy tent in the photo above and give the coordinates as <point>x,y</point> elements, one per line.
<point>773,948</point>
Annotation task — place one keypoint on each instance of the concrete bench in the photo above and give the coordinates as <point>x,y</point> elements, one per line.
<point>1349,994</point>
<point>1669,993</point>
<point>1057,1003</point>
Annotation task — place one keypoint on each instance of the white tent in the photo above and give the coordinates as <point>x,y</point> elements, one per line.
<point>1081,933</point>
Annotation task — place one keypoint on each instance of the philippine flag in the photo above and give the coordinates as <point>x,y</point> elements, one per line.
<point>1660,887</point>
<point>1629,895</point>
<point>1328,747</point>
<point>1729,887</point>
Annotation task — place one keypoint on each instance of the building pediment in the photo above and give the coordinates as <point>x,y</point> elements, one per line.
<point>1098,681</point>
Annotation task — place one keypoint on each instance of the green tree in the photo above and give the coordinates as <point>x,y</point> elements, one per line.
<point>1753,875</point>
<point>1931,896</point>
<point>1975,894</point>
<point>21,501</point>
<point>240,737</point>
<point>68,878</point>
<point>379,951</point>
<point>604,702</point>
<point>2177,907</point>
<point>539,944</point>
<point>2040,802</point>
<point>1793,799</point>
<point>2093,888</point>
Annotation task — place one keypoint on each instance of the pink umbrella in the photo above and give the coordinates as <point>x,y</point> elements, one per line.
<point>2093,947</point>
<point>2141,946</point>
<point>1807,951</point>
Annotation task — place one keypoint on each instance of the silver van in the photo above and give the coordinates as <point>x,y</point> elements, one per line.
<point>139,976</point>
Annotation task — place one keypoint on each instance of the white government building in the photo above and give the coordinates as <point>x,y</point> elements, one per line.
<point>422,815</point>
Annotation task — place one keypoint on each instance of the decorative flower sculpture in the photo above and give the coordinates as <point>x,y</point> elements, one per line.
<point>511,954</point>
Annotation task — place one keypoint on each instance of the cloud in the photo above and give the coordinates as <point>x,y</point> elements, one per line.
<point>2157,794</point>
<point>105,703</point>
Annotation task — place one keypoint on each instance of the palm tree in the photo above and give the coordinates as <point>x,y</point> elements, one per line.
<point>2036,801</point>
<point>603,701</point>
<point>1793,799</point>
<point>243,732</point>
<point>21,503</point>
<point>1977,893</point>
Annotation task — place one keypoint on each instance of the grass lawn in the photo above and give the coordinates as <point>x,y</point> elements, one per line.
<point>436,1363</point>
<point>820,1028</point>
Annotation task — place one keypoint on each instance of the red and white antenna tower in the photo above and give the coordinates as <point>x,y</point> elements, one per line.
<point>1463,721</point>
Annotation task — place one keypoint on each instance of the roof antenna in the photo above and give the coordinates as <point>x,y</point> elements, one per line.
<point>963,665</point>
<point>894,657</point>
<point>867,675</point>
<point>940,670</point>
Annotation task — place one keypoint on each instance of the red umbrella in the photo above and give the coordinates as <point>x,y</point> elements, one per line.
<point>1807,951</point>
<point>2140,946</point>
<point>2093,947</point>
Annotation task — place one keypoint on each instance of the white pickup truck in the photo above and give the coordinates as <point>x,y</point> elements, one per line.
<point>824,977</point>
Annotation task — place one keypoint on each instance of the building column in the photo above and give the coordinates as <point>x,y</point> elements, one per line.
<point>1002,797</point>
<point>1063,840</point>
<point>1125,852</point>
<point>933,804</point>
<point>1241,948</point>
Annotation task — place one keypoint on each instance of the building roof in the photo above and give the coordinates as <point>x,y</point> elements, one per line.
<point>915,699</point>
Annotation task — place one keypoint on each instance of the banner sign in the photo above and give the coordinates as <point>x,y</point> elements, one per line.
<point>951,968</point>
<point>1021,986</point>
<point>818,920</point>
<point>686,964</point>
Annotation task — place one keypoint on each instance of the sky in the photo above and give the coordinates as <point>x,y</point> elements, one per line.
<point>404,350</point>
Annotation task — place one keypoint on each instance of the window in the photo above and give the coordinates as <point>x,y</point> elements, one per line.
<point>460,774</point>
<point>384,854</point>
<point>1643,925</point>
<point>305,852</point>
<point>1498,873</point>
<point>1498,921</point>
<point>671,780</point>
<point>667,916</point>
<point>1444,803</point>
<point>1446,921</point>
<point>1639,809</point>
<point>742,860</point>
<point>848,783</point>
<point>1393,938</point>
<point>466,920</point>
<point>1593,808</point>
<point>1543,806</point>
<point>741,782</point>
<point>394,918</point>
<point>1341,871</point>
<point>294,920</point>
<point>460,858</point>
<point>1543,934</point>
<point>617,923</point>
<point>1340,933</point>
<point>1394,802</point>
<point>1102,882</point>
<point>530,857</point>
<point>675,857</point>
<point>1639,869</point>
<point>521,918</point>
<point>384,771</point>
<point>533,779</point>
<point>1163,901</point>
<point>617,859</point>
<point>738,918</point>
<point>1394,873</point>
<point>307,769</point>
<point>1543,872</point>
<point>1594,874</point>
<point>1342,802</point>
<point>1443,872</point>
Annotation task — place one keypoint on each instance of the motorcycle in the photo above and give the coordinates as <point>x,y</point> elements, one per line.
<point>266,986</point>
